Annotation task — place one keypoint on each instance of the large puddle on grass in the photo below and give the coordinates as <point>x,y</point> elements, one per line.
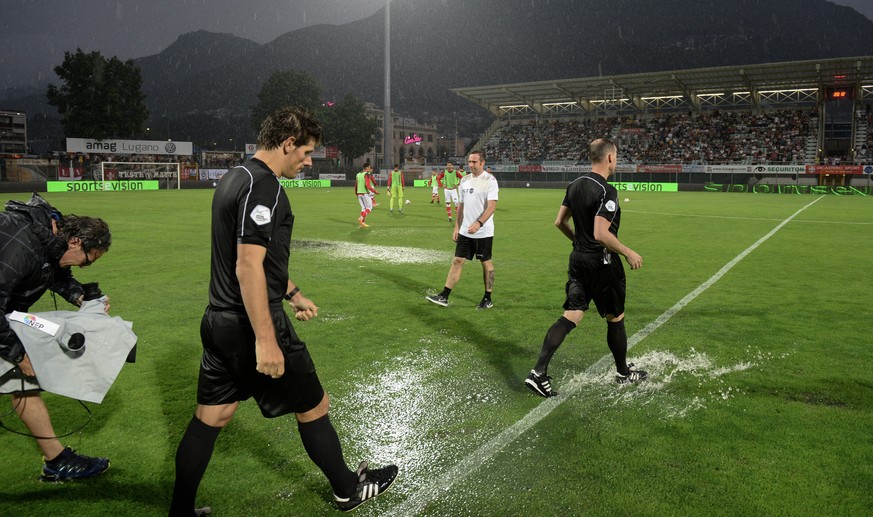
<point>412,412</point>
<point>389,254</point>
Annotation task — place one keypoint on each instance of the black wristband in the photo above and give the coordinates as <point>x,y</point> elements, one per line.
<point>292,293</point>
<point>480,222</point>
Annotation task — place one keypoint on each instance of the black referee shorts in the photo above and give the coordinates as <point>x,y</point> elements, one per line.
<point>469,248</point>
<point>228,367</point>
<point>588,278</point>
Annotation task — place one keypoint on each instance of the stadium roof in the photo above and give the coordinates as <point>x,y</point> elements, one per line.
<point>741,86</point>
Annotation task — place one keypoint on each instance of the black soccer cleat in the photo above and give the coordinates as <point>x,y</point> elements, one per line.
<point>485,304</point>
<point>633,375</point>
<point>370,484</point>
<point>541,385</point>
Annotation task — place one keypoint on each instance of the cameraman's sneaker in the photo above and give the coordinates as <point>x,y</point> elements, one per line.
<point>69,465</point>
<point>541,385</point>
<point>633,375</point>
<point>370,484</point>
<point>438,299</point>
<point>485,304</point>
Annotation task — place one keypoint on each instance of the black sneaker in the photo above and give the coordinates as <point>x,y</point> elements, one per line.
<point>633,375</point>
<point>370,484</point>
<point>438,299</point>
<point>541,385</point>
<point>69,465</point>
<point>485,304</point>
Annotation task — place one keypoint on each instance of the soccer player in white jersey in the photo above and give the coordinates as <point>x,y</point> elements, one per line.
<point>474,228</point>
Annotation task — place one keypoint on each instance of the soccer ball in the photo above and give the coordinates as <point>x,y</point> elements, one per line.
<point>627,200</point>
<point>407,202</point>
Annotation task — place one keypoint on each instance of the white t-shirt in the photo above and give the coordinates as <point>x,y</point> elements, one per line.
<point>475,193</point>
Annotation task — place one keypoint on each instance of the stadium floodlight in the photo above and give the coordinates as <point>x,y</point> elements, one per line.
<point>798,90</point>
<point>572,103</point>
<point>661,98</point>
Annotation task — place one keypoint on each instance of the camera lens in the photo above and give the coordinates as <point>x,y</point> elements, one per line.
<point>76,342</point>
<point>92,291</point>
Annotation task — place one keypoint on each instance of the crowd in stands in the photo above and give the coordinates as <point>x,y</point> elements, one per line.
<point>549,140</point>
<point>722,137</point>
<point>217,160</point>
<point>209,159</point>
<point>865,153</point>
<point>95,159</point>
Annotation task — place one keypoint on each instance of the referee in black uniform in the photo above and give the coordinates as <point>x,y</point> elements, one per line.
<point>595,271</point>
<point>250,348</point>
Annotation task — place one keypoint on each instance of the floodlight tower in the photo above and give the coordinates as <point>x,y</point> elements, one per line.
<point>387,129</point>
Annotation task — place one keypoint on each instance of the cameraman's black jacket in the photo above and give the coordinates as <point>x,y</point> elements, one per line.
<point>29,255</point>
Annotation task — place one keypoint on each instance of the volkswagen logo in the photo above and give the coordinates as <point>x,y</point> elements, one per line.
<point>170,147</point>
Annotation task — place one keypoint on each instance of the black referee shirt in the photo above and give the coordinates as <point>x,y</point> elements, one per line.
<point>587,197</point>
<point>249,207</point>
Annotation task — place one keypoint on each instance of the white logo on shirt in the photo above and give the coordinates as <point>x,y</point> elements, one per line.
<point>260,215</point>
<point>610,206</point>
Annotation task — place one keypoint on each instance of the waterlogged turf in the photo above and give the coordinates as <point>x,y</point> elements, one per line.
<point>758,400</point>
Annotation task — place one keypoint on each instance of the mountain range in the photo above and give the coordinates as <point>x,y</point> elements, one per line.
<point>441,44</point>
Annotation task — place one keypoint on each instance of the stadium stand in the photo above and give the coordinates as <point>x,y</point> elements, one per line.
<point>717,137</point>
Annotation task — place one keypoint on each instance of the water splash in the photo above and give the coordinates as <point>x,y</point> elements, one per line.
<point>667,371</point>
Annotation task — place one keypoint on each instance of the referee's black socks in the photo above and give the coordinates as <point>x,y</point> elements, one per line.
<point>554,337</point>
<point>616,338</point>
<point>192,458</point>
<point>323,447</point>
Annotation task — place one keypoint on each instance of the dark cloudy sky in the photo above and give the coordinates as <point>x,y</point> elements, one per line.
<point>35,33</point>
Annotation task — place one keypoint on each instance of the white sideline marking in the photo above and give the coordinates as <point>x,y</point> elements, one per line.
<point>477,458</point>
<point>705,216</point>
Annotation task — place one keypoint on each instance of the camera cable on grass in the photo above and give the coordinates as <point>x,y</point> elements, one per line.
<point>29,435</point>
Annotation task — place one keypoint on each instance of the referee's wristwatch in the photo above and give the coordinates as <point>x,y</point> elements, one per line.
<point>292,293</point>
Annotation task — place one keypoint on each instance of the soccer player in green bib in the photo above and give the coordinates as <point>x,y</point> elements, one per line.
<point>363,189</point>
<point>395,188</point>
<point>435,184</point>
<point>449,180</point>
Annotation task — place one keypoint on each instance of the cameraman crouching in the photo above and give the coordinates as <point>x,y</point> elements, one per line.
<point>38,246</point>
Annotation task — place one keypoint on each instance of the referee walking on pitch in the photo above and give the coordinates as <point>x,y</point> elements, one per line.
<point>595,271</point>
<point>250,348</point>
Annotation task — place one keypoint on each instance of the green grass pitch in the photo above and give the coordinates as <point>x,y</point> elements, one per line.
<point>760,400</point>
